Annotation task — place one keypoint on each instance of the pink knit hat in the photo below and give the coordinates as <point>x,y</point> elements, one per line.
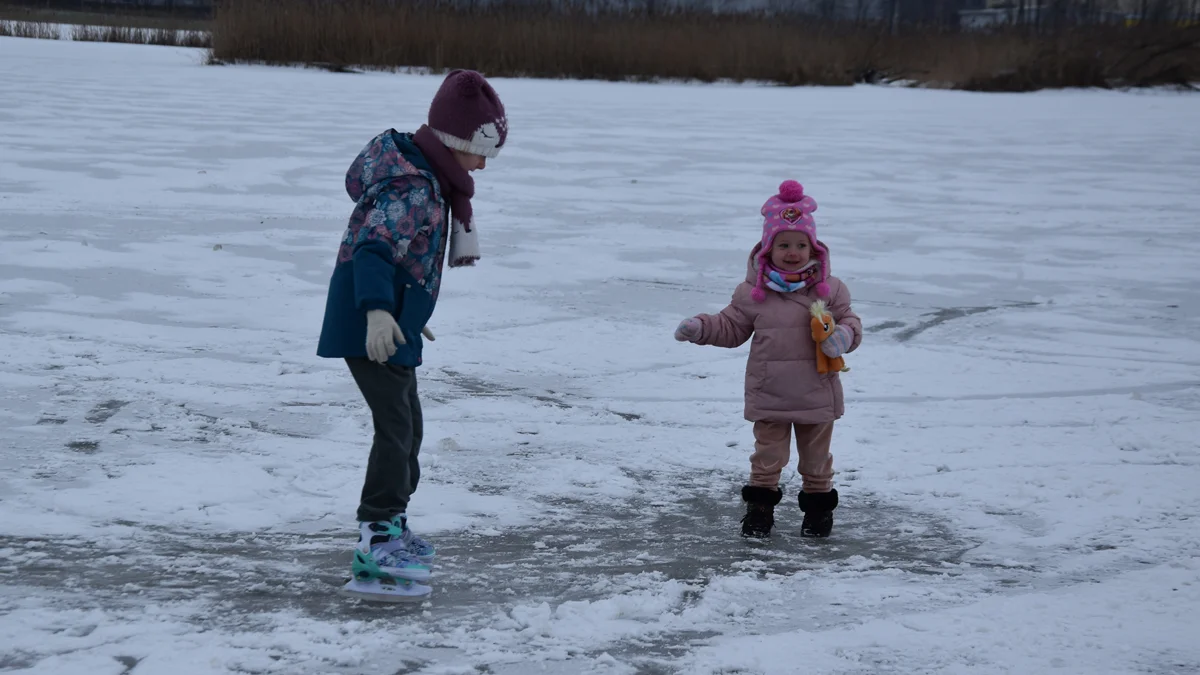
<point>790,210</point>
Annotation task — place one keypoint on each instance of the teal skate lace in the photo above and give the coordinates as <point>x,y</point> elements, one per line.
<point>416,545</point>
<point>398,529</point>
<point>400,558</point>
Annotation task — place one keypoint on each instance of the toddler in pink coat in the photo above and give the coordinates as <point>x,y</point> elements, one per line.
<point>787,272</point>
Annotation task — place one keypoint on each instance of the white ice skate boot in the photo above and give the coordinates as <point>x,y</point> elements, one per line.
<point>383,569</point>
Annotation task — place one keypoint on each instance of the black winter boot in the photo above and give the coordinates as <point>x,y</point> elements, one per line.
<point>818,512</point>
<point>760,510</point>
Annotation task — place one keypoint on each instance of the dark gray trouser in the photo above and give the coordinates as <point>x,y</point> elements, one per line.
<point>393,469</point>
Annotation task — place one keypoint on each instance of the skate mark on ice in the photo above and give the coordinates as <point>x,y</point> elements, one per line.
<point>658,283</point>
<point>466,385</point>
<point>18,660</point>
<point>103,412</point>
<point>129,662</point>
<point>477,387</point>
<point>1028,523</point>
<point>941,316</point>
<point>411,666</point>
<point>1146,389</point>
<point>1183,398</point>
<point>259,427</point>
<point>85,447</point>
<point>652,655</point>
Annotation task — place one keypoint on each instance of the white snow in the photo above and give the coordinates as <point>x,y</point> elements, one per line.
<point>1018,463</point>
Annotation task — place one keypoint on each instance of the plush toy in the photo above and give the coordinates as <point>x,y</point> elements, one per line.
<point>822,325</point>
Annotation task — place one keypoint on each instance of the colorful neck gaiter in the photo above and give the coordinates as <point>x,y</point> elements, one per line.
<point>788,282</point>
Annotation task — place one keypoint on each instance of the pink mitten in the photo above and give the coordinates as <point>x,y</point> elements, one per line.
<point>836,344</point>
<point>689,330</point>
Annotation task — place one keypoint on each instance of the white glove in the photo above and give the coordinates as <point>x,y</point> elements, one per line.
<point>382,335</point>
<point>428,334</point>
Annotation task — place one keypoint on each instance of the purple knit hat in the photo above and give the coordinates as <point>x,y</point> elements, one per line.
<point>466,114</point>
<point>790,210</point>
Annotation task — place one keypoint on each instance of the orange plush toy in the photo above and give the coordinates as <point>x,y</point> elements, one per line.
<point>822,327</point>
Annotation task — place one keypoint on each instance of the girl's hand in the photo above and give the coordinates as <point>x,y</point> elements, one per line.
<point>838,342</point>
<point>689,330</point>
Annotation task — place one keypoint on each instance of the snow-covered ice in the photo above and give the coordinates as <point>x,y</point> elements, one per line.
<point>1019,462</point>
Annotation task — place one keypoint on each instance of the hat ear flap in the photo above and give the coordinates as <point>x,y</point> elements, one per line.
<point>758,293</point>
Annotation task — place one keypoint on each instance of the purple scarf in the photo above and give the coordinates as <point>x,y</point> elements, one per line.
<point>457,185</point>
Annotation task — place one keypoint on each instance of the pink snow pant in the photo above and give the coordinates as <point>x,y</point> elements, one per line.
<point>773,447</point>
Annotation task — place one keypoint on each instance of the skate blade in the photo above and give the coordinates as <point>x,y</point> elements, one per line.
<point>416,576</point>
<point>386,592</point>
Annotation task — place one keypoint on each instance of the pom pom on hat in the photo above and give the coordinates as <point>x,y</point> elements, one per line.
<point>791,191</point>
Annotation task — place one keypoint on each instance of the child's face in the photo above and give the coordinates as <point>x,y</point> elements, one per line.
<point>470,162</point>
<point>790,251</point>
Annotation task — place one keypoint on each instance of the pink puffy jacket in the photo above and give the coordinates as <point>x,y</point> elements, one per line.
<point>782,383</point>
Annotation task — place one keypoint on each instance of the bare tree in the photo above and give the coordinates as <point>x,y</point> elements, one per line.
<point>863,7</point>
